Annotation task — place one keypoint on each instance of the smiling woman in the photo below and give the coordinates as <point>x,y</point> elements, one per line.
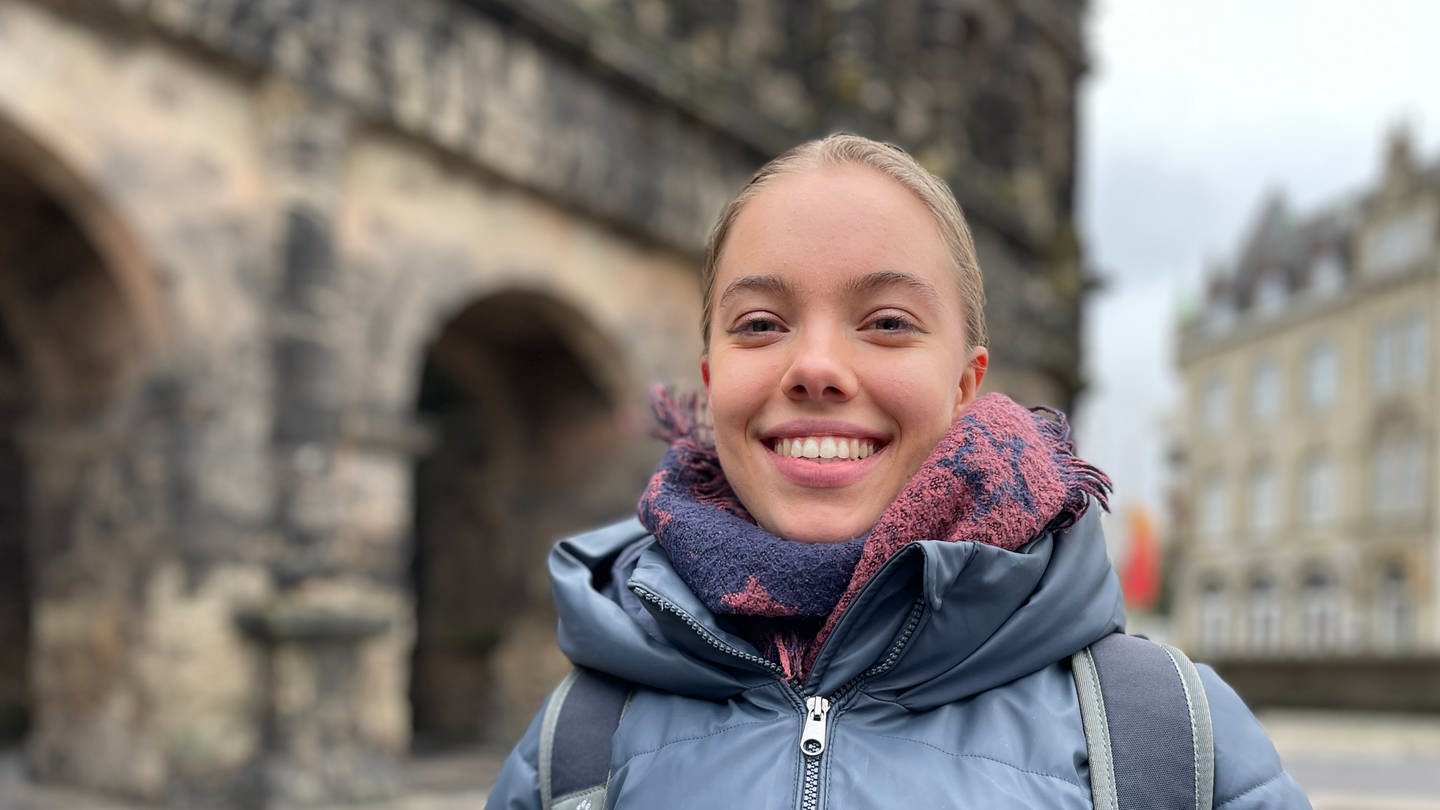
<point>861,583</point>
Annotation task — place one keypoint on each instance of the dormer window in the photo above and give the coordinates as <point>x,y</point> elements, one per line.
<point>1270,293</point>
<point>1327,274</point>
<point>1220,315</point>
<point>1399,241</point>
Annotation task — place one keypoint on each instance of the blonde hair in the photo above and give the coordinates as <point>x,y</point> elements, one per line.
<point>897,164</point>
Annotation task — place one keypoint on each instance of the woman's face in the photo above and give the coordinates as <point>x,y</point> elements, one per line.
<point>837,355</point>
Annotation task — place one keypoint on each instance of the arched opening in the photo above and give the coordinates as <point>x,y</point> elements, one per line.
<point>1394,611</point>
<point>1264,616</point>
<point>1320,613</point>
<point>521,397</point>
<point>76,328</point>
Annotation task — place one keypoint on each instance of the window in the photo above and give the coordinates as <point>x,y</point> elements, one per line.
<point>1320,613</point>
<point>1327,274</point>
<point>1415,350</point>
<point>1213,618</point>
<point>1399,242</point>
<point>1400,353</point>
<point>1264,617</point>
<point>1384,358</point>
<point>1213,521</point>
<point>1398,476</point>
<point>1270,293</point>
<point>1318,491</point>
<point>1265,391</point>
<point>1322,376</point>
<point>1394,610</point>
<point>1220,314</point>
<point>1215,405</point>
<point>1264,501</point>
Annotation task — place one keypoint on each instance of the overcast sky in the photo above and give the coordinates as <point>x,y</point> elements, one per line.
<point>1191,113</point>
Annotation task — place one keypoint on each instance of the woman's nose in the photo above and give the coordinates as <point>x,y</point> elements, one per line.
<point>820,370</point>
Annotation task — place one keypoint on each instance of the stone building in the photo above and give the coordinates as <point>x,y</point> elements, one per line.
<point>320,320</point>
<point>1311,447</point>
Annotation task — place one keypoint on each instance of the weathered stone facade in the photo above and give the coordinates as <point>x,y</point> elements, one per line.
<point>320,319</point>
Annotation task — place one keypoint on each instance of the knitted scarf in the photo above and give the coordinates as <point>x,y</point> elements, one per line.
<point>1001,476</point>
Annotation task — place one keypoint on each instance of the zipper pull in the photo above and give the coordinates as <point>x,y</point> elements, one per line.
<point>812,737</point>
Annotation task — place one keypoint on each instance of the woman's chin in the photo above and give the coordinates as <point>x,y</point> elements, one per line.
<point>820,530</point>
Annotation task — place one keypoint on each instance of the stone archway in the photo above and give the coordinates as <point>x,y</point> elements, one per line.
<point>522,398</point>
<point>77,328</point>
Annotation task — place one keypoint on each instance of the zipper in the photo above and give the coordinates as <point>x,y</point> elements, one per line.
<point>812,736</point>
<point>814,732</point>
<point>892,657</point>
<point>709,636</point>
<point>812,745</point>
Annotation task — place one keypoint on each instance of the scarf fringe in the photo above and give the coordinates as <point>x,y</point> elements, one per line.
<point>1083,480</point>
<point>683,422</point>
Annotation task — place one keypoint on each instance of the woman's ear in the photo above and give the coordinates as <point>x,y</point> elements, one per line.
<point>705,371</point>
<point>972,376</point>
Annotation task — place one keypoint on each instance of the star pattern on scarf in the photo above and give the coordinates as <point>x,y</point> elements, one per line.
<point>980,479</point>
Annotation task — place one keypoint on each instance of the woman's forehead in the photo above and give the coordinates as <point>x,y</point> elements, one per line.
<point>830,212</point>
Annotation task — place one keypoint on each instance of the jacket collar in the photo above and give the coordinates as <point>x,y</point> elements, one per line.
<point>939,622</point>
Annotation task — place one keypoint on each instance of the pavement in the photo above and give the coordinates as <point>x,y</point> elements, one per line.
<point>1344,761</point>
<point>457,780</point>
<point>1349,761</point>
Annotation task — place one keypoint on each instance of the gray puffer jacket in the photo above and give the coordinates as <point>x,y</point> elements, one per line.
<point>948,679</point>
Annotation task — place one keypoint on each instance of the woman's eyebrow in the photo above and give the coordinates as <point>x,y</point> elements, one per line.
<point>765,284</point>
<point>884,279</point>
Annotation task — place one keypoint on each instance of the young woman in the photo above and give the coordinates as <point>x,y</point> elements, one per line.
<point>856,540</point>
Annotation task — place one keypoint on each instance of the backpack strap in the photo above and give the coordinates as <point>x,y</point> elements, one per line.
<point>1147,725</point>
<point>576,736</point>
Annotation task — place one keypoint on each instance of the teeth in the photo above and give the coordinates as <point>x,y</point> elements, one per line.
<point>824,447</point>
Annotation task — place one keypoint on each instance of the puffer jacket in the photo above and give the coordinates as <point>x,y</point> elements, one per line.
<point>948,679</point>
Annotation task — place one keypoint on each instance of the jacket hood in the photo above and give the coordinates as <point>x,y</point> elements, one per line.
<point>941,621</point>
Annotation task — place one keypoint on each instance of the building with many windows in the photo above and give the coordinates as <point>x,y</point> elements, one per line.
<point>1310,470</point>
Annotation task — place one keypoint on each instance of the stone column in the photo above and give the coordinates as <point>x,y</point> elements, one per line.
<point>313,737</point>
<point>332,637</point>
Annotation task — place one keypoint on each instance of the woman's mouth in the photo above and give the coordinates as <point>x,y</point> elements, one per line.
<point>824,448</point>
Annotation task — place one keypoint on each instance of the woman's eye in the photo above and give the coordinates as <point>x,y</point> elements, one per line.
<point>756,326</point>
<point>892,323</point>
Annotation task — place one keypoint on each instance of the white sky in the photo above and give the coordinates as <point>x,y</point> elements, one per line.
<point>1192,112</point>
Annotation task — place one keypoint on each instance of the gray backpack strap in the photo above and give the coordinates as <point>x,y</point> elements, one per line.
<point>1147,726</point>
<point>576,735</point>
